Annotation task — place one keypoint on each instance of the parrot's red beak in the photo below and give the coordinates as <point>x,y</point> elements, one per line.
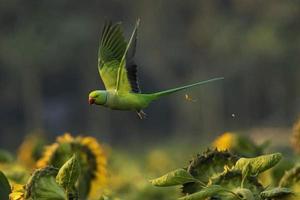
<point>91,101</point>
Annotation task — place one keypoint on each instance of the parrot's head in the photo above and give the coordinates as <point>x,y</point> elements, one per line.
<point>98,97</point>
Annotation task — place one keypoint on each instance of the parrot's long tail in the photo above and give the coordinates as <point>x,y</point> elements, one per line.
<point>170,91</point>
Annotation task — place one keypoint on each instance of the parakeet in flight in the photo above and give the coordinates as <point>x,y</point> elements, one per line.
<point>118,72</point>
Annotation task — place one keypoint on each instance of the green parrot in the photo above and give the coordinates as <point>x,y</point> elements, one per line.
<point>118,72</point>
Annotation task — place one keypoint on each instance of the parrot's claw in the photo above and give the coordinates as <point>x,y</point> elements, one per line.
<point>141,114</point>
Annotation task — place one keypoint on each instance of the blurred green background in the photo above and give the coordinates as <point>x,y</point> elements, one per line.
<point>48,65</point>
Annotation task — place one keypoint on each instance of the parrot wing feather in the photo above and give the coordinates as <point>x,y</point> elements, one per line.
<point>112,49</point>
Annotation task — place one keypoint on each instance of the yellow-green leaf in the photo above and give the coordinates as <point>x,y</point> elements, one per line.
<point>176,177</point>
<point>258,164</point>
<point>209,191</point>
<point>69,173</point>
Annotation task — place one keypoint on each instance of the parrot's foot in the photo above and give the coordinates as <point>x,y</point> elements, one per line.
<point>141,114</point>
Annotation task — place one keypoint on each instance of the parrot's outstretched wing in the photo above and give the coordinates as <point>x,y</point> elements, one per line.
<point>116,66</point>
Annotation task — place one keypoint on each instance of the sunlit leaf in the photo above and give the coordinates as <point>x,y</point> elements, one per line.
<point>258,164</point>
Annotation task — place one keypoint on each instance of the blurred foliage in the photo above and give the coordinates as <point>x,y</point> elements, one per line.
<point>5,156</point>
<point>129,179</point>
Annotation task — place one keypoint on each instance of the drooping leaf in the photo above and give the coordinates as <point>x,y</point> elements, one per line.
<point>276,192</point>
<point>258,164</point>
<point>209,191</point>
<point>69,173</point>
<point>4,187</point>
<point>176,177</point>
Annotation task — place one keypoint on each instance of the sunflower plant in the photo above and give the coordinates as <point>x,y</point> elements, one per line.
<point>71,168</point>
<point>221,175</point>
<point>50,183</point>
<point>91,157</point>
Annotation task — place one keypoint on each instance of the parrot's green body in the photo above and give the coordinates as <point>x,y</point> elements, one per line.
<point>123,100</point>
<point>118,72</point>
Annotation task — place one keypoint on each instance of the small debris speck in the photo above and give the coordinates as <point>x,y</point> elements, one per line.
<point>188,98</point>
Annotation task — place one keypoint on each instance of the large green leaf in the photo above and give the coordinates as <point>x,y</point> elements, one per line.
<point>176,177</point>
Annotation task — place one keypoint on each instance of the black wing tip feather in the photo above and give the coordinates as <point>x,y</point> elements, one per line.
<point>133,77</point>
